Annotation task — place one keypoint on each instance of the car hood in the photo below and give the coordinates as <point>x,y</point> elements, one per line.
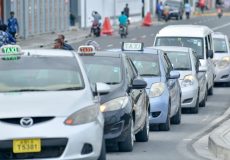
<point>115,92</point>
<point>219,56</point>
<point>37,104</point>
<point>151,80</point>
<point>184,73</point>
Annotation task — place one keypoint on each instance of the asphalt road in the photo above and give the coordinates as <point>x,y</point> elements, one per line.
<point>175,144</point>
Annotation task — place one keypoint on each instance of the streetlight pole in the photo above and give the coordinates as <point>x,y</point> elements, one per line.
<point>114,9</point>
<point>85,12</point>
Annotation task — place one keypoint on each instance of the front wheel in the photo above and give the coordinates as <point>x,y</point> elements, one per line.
<point>210,91</point>
<point>176,119</point>
<point>127,145</point>
<point>143,135</point>
<point>103,151</point>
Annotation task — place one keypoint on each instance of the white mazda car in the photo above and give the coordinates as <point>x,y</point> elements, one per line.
<point>48,109</point>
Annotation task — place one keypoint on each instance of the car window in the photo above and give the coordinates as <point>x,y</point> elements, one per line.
<point>165,65</point>
<point>146,64</point>
<point>191,42</point>
<point>40,73</point>
<point>129,70</point>
<point>103,69</point>
<point>180,60</point>
<point>220,45</point>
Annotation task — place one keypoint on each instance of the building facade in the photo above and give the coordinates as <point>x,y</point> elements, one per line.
<point>38,16</point>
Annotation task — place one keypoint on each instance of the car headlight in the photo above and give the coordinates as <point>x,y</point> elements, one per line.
<point>85,115</point>
<point>156,89</point>
<point>224,62</point>
<point>188,81</point>
<point>114,104</point>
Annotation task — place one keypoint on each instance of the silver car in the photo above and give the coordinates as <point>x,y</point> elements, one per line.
<point>192,81</point>
<point>47,107</point>
<point>221,58</point>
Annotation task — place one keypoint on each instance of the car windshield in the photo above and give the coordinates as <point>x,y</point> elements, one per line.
<point>220,45</point>
<point>146,64</point>
<point>103,69</point>
<point>180,60</point>
<point>195,43</point>
<point>40,74</point>
<point>173,4</point>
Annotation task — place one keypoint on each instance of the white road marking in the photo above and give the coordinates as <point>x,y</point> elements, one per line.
<point>219,27</point>
<point>110,45</point>
<point>144,36</point>
<point>133,39</point>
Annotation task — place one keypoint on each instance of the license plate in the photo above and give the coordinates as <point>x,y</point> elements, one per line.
<point>27,145</point>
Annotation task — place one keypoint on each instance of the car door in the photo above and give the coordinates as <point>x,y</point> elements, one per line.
<point>173,86</point>
<point>137,96</point>
<point>199,75</point>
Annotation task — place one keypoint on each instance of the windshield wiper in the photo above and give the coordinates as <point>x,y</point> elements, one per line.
<point>26,90</point>
<point>183,69</point>
<point>112,83</point>
<point>70,88</point>
<point>148,74</point>
<point>221,51</point>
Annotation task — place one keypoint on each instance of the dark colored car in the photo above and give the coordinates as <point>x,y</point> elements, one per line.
<point>126,106</point>
<point>176,9</point>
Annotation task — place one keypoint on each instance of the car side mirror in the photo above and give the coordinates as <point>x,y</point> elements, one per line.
<point>202,69</point>
<point>102,88</point>
<point>210,54</point>
<point>174,75</point>
<point>139,84</point>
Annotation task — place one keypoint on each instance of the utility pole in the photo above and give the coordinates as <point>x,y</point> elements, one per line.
<point>85,13</point>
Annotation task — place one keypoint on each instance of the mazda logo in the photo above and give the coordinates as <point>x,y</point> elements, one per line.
<point>26,122</point>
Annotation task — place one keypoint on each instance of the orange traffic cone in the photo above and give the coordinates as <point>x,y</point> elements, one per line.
<point>147,20</point>
<point>107,28</point>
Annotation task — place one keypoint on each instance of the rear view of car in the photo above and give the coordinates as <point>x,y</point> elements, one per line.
<point>221,58</point>
<point>47,107</point>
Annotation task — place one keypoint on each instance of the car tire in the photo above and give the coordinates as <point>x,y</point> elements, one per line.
<point>176,119</point>
<point>166,126</point>
<point>127,145</point>
<point>143,135</point>
<point>195,109</point>
<point>203,102</point>
<point>210,91</point>
<point>103,151</point>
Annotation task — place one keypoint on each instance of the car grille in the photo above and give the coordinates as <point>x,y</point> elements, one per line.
<point>51,148</point>
<point>16,121</point>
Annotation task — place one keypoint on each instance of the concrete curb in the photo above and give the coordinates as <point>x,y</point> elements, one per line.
<point>206,132</point>
<point>218,142</point>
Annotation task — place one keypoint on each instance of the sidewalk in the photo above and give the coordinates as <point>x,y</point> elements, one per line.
<point>47,40</point>
<point>215,143</point>
<point>219,141</point>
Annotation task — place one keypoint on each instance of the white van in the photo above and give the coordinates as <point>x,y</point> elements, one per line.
<point>197,37</point>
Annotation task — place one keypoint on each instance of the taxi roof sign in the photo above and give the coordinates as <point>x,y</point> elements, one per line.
<point>11,50</point>
<point>129,46</point>
<point>86,50</point>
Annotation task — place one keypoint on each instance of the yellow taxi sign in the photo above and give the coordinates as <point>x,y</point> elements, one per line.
<point>129,46</point>
<point>86,50</point>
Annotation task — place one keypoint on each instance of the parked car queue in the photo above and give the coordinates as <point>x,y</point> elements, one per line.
<point>74,106</point>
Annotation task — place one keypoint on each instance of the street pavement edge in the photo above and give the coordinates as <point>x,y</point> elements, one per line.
<point>205,133</point>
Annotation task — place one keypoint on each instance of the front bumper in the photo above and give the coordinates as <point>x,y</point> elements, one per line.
<point>159,109</point>
<point>54,134</point>
<point>222,75</point>
<point>116,124</point>
<point>189,96</point>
